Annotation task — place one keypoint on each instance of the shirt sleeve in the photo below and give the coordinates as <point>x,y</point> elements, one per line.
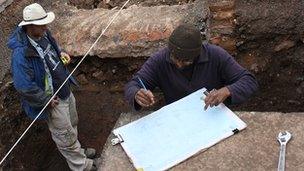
<point>240,82</point>
<point>23,81</point>
<point>148,74</point>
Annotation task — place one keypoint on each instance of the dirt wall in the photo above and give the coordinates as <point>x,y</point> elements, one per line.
<point>270,43</point>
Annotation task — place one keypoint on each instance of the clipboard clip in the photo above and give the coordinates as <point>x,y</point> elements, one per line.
<point>117,140</point>
<point>235,131</point>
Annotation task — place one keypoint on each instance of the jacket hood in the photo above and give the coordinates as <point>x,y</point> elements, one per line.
<point>17,39</point>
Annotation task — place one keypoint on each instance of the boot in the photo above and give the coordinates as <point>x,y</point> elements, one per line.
<point>90,153</point>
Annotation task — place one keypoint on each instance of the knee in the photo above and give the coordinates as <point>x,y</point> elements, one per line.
<point>66,138</point>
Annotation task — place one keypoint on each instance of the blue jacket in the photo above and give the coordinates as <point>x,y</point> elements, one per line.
<point>29,73</point>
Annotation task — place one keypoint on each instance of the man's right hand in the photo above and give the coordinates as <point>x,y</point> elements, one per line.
<point>144,98</point>
<point>54,102</point>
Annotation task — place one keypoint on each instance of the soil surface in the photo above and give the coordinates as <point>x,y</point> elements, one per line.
<point>275,44</point>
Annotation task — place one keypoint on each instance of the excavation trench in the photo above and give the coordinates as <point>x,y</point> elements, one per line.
<point>273,51</point>
<point>100,102</point>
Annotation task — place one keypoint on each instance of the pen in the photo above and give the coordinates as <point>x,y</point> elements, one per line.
<point>141,83</point>
<point>206,93</point>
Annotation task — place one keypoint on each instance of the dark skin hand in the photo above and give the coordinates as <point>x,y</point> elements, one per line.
<point>144,98</point>
<point>215,97</point>
<point>54,102</point>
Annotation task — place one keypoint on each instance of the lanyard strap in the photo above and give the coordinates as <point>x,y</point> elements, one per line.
<point>48,77</point>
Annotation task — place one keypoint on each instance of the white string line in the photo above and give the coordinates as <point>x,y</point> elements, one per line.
<point>63,82</point>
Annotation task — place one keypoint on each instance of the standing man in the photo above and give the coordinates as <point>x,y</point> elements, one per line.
<point>186,66</point>
<point>38,68</point>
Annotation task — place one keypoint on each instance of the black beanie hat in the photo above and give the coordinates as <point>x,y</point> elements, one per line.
<point>185,42</point>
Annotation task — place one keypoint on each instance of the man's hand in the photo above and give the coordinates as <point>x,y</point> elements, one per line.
<point>215,97</point>
<point>54,102</point>
<point>66,59</point>
<point>144,98</point>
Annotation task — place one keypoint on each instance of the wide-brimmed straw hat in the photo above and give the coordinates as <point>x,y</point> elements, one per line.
<point>35,14</point>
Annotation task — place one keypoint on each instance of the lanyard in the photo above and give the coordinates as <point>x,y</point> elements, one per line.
<point>48,77</point>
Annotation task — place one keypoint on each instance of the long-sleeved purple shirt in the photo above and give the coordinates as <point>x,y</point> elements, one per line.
<point>214,69</point>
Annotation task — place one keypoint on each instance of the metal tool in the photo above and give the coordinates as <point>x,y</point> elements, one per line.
<point>283,138</point>
<point>117,140</point>
<point>64,59</point>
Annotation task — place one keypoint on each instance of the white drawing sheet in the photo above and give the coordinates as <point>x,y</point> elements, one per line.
<point>177,131</point>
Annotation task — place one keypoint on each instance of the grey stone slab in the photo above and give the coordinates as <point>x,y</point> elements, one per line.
<point>136,32</point>
<point>254,148</point>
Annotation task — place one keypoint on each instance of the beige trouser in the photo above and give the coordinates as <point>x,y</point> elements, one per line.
<point>62,123</point>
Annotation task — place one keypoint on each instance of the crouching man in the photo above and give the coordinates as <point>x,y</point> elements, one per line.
<point>187,65</point>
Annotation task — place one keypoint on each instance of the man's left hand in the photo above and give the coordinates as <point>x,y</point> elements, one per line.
<point>215,97</point>
<point>66,59</point>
